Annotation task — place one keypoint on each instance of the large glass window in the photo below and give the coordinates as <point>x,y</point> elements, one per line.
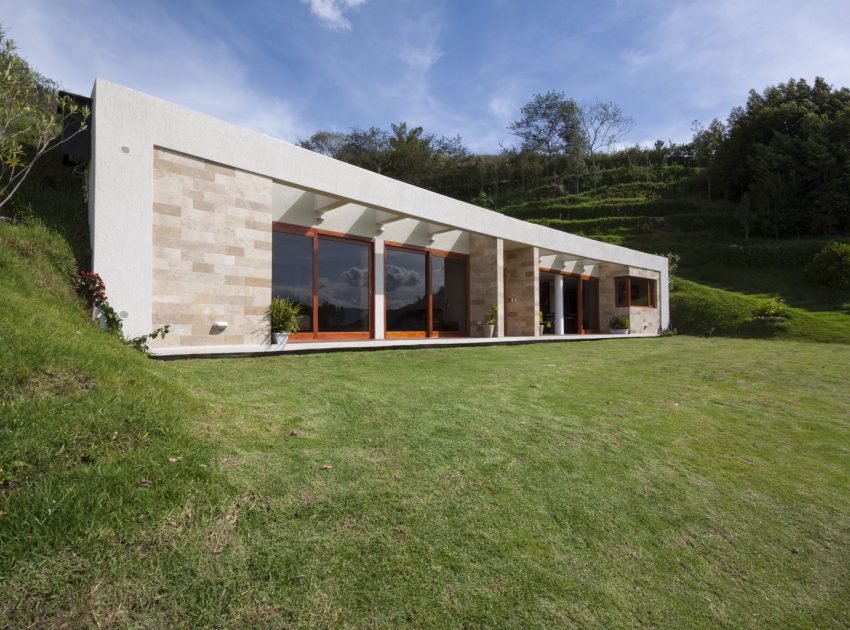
<point>635,292</point>
<point>405,291</point>
<point>343,286</point>
<point>448,290</point>
<point>328,276</point>
<point>640,292</point>
<point>292,273</point>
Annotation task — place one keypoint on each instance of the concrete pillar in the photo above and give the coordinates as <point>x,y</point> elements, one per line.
<point>378,317</point>
<point>486,282</point>
<point>559,304</point>
<point>522,292</point>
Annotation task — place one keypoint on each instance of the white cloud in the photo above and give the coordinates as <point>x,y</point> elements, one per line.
<point>148,50</point>
<point>502,107</point>
<point>332,12</point>
<point>706,55</point>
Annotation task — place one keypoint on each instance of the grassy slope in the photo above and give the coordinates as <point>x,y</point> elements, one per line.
<point>498,486</point>
<point>90,419</point>
<point>520,486</point>
<point>491,486</point>
<point>724,274</point>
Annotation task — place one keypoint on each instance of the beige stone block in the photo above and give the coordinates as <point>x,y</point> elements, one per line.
<point>200,267</point>
<point>217,169</point>
<point>259,226</point>
<point>258,282</point>
<point>166,208</point>
<point>165,231</point>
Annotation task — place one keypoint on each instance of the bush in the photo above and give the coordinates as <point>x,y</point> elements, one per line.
<point>773,307</point>
<point>830,267</point>
<point>619,322</point>
<point>284,316</point>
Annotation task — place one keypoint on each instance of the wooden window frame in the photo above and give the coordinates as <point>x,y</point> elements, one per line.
<point>651,292</point>
<point>316,235</point>
<point>429,332</point>
<point>582,278</point>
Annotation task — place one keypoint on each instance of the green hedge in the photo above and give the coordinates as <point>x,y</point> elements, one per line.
<point>556,209</point>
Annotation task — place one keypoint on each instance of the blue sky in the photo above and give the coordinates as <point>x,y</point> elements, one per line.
<point>457,67</point>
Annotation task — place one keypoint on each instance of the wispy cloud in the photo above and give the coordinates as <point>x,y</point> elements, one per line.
<point>288,69</point>
<point>706,55</point>
<point>149,51</point>
<point>331,13</point>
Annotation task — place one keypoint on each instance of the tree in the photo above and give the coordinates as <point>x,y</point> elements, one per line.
<point>369,149</point>
<point>788,153</point>
<point>325,142</point>
<point>602,125</point>
<point>549,125</point>
<point>705,144</point>
<point>411,155</point>
<point>33,115</point>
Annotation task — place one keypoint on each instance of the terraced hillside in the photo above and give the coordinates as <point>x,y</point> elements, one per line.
<point>721,274</point>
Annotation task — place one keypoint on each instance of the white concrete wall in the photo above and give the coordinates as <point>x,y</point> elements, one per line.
<point>128,125</point>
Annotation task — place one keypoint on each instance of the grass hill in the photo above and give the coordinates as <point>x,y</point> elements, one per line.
<point>198,493</point>
<point>720,273</point>
<point>137,493</point>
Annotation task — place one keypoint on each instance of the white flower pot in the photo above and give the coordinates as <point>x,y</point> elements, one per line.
<point>542,328</point>
<point>619,331</point>
<point>280,339</point>
<point>489,330</point>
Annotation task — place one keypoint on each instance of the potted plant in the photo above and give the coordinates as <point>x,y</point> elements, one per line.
<point>490,321</point>
<point>619,325</point>
<point>542,324</point>
<point>284,319</point>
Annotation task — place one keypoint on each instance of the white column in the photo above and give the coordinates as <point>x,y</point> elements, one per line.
<point>559,304</point>
<point>380,325</point>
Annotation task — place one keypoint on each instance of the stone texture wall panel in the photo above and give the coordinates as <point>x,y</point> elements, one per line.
<point>211,252</point>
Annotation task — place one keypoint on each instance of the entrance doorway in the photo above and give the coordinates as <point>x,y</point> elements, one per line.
<point>572,325</point>
<point>580,295</point>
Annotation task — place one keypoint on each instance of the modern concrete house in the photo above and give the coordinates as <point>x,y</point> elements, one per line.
<point>197,223</point>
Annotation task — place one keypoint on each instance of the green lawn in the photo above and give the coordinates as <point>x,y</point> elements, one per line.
<point>671,482</point>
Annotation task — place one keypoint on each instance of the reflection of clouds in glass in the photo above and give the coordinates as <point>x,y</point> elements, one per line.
<point>302,295</point>
<point>402,277</point>
<point>438,274</point>
<point>404,286</point>
<point>355,276</point>
<point>350,290</point>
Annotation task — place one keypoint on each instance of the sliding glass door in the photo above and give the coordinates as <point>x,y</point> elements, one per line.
<point>426,293</point>
<point>329,276</point>
<point>406,293</point>
<point>589,305</point>
<point>449,291</point>
<point>343,286</point>
<point>292,273</point>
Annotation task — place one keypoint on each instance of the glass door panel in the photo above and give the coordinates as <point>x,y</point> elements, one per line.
<point>292,273</point>
<point>448,295</point>
<point>590,305</point>
<point>406,291</point>
<point>343,286</point>
<point>571,305</point>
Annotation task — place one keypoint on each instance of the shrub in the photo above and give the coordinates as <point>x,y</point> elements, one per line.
<point>773,307</point>
<point>492,315</point>
<point>830,267</point>
<point>619,322</point>
<point>284,316</point>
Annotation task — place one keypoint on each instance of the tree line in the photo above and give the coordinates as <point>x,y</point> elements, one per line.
<point>783,157</point>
